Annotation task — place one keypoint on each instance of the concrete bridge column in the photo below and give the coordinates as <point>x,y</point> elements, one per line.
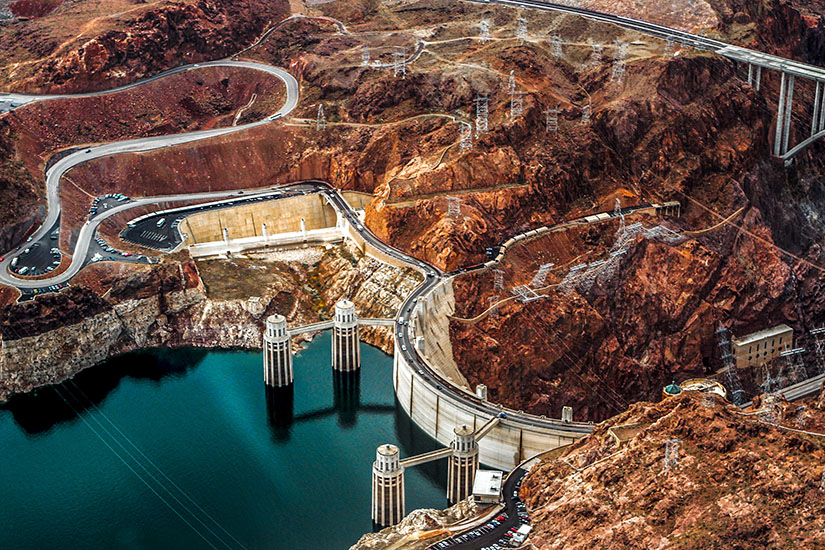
<point>758,77</point>
<point>462,465</point>
<point>277,353</point>
<point>817,111</point>
<point>787,126</point>
<point>821,114</point>
<point>388,501</point>
<point>750,74</point>
<point>780,117</point>
<point>346,353</point>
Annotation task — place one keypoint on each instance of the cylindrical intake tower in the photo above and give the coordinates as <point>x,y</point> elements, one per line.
<point>462,465</point>
<point>277,353</point>
<point>387,487</point>
<point>346,354</point>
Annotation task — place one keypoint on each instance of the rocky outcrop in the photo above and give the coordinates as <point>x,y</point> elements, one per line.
<point>50,339</point>
<point>148,41</point>
<point>731,478</point>
<point>408,533</point>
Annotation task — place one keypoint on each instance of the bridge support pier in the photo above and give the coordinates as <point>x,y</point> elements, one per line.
<point>750,74</point>
<point>346,353</point>
<point>783,115</point>
<point>758,77</point>
<point>277,353</point>
<point>387,487</point>
<point>786,130</point>
<point>462,465</point>
<point>817,110</point>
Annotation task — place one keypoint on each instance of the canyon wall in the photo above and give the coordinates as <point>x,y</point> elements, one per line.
<point>51,339</point>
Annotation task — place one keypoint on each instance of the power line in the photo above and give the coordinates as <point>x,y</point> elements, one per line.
<point>201,535</point>
<point>175,485</point>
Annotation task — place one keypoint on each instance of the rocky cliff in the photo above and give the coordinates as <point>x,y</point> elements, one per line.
<point>124,41</point>
<point>415,530</point>
<point>51,339</point>
<point>729,481</point>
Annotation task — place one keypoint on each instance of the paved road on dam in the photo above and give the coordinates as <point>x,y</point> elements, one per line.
<point>56,171</point>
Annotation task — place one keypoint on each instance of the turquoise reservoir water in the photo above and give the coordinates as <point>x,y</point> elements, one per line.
<point>185,449</point>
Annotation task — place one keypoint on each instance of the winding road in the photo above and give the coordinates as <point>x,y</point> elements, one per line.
<point>56,171</point>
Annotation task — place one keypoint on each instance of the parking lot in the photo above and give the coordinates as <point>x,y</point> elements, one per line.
<point>499,532</point>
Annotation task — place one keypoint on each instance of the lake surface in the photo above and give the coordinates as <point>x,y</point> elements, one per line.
<point>186,449</point>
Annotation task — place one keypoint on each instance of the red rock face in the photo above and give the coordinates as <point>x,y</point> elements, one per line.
<point>733,479</point>
<point>33,8</point>
<point>154,40</point>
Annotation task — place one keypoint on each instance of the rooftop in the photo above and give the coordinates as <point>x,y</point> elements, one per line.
<point>487,483</point>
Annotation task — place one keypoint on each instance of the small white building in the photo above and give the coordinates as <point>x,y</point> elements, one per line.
<point>487,486</point>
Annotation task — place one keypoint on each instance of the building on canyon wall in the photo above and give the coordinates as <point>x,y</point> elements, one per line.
<point>759,348</point>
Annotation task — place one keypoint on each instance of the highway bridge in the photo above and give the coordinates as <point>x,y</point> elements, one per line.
<point>756,61</point>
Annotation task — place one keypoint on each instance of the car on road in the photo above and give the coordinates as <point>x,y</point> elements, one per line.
<point>160,222</point>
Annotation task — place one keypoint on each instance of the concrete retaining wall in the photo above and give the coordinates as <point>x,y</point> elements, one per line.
<point>280,216</point>
<point>438,413</point>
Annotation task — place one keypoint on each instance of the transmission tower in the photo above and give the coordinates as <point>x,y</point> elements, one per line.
<point>734,385</point>
<point>541,275</point>
<point>800,417</point>
<point>617,213</point>
<point>516,105</point>
<point>466,142</point>
<point>492,301</point>
<point>498,278</point>
<point>819,345</point>
<point>551,117</point>
<point>521,29</point>
<point>365,55</point>
<point>596,54</point>
<point>586,113</point>
<point>511,84</point>
<point>793,361</point>
<point>321,121</point>
<point>555,46</point>
<point>485,30</point>
<point>768,413</point>
<point>619,61</point>
<point>482,108</point>
<point>708,401</point>
<point>399,61</point>
<point>672,454</point>
<point>670,48</point>
<point>453,207</point>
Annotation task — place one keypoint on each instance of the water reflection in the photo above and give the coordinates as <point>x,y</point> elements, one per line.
<point>410,436</point>
<point>280,411</point>
<point>346,391</point>
<point>40,410</point>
